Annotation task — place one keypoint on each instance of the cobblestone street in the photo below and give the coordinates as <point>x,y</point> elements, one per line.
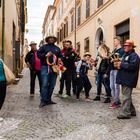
<point>68,120</point>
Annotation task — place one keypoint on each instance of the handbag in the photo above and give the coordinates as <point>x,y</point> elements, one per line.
<point>10,77</point>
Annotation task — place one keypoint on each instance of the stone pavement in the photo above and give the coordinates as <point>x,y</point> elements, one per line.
<point>68,120</point>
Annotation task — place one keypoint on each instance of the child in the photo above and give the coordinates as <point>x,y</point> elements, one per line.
<point>82,79</point>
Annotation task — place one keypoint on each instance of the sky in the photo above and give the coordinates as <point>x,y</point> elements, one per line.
<point>36,13</point>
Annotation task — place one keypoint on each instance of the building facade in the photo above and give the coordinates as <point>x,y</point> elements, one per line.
<point>88,23</point>
<point>49,25</point>
<point>13,15</point>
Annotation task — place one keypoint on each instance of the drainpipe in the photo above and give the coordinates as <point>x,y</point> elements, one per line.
<point>75,39</point>
<point>3,28</point>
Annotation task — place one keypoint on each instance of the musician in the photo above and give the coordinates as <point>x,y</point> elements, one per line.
<point>115,88</point>
<point>103,73</point>
<point>48,76</point>
<point>69,58</point>
<point>82,78</point>
<point>127,77</point>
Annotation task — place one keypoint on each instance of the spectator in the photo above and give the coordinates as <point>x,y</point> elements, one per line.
<point>34,65</point>
<point>3,86</point>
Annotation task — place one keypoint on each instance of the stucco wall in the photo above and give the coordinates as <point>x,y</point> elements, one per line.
<point>11,17</point>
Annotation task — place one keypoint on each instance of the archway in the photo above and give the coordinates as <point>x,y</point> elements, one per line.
<point>99,38</point>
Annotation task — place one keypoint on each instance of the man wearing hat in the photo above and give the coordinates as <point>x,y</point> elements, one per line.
<point>49,55</point>
<point>127,77</point>
<point>34,65</point>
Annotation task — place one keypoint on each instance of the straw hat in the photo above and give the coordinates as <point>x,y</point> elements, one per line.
<point>32,43</point>
<point>87,54</point>
<point>51,36</point>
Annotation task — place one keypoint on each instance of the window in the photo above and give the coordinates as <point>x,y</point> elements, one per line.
<point>123,30</point>
<point>58,37</point>
<point>61,35</point>
<point>59,13</point>
<point>78,47</point>
<point>72,22</point>
<point>79,15</point>
<point>87,8</point>
<point>100,2</point>
<point>62,7</point>
<point>66,29</point>
<point>86,45</point>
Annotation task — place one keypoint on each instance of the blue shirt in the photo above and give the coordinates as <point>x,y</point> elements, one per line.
<point>2,75</point>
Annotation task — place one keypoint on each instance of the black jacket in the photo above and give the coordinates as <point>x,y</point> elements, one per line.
<point>30,58</point>
<point>48,48</point>
<point>104,66</point>
<point>69,59</point>
<point>129,72</point>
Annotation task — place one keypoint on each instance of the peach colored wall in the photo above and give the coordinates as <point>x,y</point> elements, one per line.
<point>11,16</point>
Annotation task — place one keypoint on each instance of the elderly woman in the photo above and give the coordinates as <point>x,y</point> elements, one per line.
<point>2,86</point>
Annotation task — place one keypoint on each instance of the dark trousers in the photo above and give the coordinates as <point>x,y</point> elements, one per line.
<point>83,82</point>
<point>33,75</point>
<point>66,79</point>
<point>74,82</point>
<point>2,92</point>
<point>106,82</point>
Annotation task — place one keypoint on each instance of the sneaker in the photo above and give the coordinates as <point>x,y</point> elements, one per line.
<point>65,96</point>
<point>32,94</point>
<point>88,99</point>
<point>123,117</point>
<point>114,106</point>
<point>56,94</point>
<point>1,119</point>
<point>97,98</point>
<point>59,95</point>
<point>107,100</point>
<point>77,99</point>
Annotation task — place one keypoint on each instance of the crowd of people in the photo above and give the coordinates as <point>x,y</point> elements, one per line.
<point>114,69</point>
<point>117,71</point>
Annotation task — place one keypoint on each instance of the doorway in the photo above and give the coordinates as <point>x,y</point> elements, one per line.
<point>99,38</point>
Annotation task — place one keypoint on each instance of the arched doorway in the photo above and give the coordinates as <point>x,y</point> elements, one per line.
<point>99,38</point>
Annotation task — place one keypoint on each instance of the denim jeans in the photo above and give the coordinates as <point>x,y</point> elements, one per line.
<point>48,84</point>
<point>106,82</point>
<point>115,88</point>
